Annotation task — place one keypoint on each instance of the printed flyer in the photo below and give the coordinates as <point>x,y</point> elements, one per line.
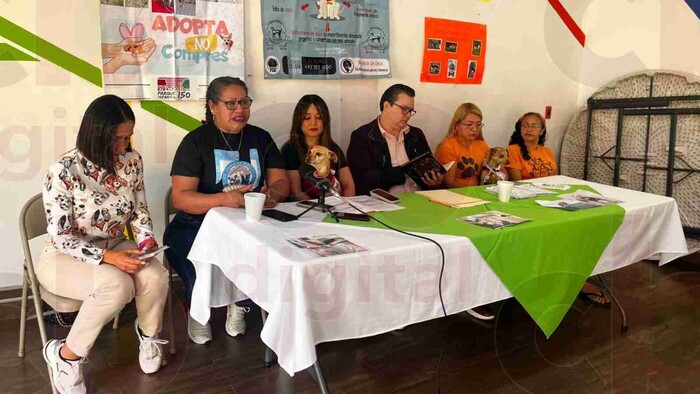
<point>455,52</point>
<point>326,39</point>
<point>170,49</point>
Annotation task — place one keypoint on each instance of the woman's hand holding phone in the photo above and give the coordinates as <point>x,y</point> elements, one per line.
<point>124,259</point>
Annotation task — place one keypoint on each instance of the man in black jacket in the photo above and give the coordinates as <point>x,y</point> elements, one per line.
<point>379,148</point>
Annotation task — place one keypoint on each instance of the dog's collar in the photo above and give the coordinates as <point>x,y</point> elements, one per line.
<point>496,170</point>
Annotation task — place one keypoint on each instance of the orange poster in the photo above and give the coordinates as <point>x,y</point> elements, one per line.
<point>455,52</point>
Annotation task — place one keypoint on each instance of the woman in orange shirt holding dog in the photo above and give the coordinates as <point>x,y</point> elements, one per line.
<point>309,141</point>
<point>464,144</point>
<point>530,159</point>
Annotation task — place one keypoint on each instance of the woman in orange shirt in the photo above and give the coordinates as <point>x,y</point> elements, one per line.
<point>529,159</point>
<point>464,144</point>
<point>528,156</point>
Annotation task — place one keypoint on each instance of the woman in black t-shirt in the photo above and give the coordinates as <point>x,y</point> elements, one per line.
<point>214,166</point>
<point>311,126</point>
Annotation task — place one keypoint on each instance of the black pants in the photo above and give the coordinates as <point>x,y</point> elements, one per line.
<point>180,235</point>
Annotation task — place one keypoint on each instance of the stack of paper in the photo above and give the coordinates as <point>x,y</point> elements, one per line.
<point>581,199</point>
<point>521,191</point>
<point>364,203</point>
<point>451,199</point>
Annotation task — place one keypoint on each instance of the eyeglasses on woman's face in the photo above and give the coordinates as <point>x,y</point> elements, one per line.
<point>245,103</point>
<point>469,125</point>
<point>534,126</point>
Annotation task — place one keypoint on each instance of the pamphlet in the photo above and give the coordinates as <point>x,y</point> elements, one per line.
<point>580,199</point>
<point>493,219</point>
<point>523,190</point>
<point>326,245</point>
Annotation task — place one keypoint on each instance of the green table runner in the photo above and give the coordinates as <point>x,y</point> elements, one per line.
<point>544,262</point>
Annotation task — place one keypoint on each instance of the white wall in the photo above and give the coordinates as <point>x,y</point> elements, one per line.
<point>652,35</point>
<point>532,61</point>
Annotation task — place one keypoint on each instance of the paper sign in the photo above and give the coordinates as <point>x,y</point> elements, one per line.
<point>455,52</point>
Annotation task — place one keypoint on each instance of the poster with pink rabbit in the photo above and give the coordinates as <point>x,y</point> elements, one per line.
<point>170,49</point>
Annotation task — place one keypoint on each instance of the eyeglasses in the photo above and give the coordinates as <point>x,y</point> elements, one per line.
<point>531,126</point>
<point>245,103</point>
<point>469,125</point>
<point>405,110</point>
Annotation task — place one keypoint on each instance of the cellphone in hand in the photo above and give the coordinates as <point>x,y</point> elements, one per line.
<point>153,253</point>
<point>384,195</point>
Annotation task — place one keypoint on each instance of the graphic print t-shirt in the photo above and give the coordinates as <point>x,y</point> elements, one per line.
<point>541,163</point>
<point>468,161</point>
<point>204,154</point>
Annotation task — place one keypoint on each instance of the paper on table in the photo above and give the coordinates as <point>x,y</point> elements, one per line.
<point>493,219</point>
<point>555,186</point>
<point>581,199</point>
<point>365,203</point>
<point>521,191</point>
<point>451,199</point>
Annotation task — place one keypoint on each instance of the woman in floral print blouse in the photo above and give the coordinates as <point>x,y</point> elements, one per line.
<point>90,194</point>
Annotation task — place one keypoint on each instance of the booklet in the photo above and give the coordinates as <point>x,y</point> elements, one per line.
<point>580,199</point>
<point>426,162</point>
<point>523,190</point>
<point>493,219</point>
<point>326,245</point>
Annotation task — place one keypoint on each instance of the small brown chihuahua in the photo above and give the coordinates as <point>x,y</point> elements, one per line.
<point>492,170</point>
<point>320,158</point>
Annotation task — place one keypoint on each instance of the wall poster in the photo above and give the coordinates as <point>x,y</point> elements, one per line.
<point>326,39</point>
<point>170,49</point>
<point>455,52</point>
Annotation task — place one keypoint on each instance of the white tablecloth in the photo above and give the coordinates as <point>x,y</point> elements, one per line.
<point>312,300</point>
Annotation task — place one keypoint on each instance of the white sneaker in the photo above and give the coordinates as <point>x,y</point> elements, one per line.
<point>150,351</point>
<point>235,320</point>
<point>66,376</point>
<point>199,334</point>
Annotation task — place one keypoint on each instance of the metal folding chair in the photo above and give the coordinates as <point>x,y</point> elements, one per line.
<point>168,210</point>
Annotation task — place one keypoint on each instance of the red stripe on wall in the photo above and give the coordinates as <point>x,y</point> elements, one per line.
<point>569,21</point>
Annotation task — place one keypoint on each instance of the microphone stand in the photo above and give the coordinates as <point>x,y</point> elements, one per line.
<point>321,202</point>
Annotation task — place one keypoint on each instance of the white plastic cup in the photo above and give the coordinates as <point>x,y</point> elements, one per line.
<point>505,188</point>
<point>254,204</point>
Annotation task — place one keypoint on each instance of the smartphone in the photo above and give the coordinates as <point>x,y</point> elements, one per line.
<point>318,207</point>
<point>150,254</point>
<point>278,215</point>
<point>384,195</point>
<point>353,216</point>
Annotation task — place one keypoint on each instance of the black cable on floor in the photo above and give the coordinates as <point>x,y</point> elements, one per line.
<point>442,269</point>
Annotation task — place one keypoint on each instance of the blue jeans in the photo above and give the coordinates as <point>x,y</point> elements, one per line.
<point>180,235</point>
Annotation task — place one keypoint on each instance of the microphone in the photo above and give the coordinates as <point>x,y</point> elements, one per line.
<point>309,173</point>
